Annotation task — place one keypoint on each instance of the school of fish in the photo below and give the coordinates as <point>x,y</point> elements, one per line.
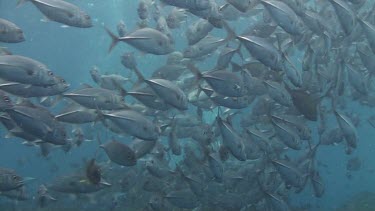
<point>241,135</point>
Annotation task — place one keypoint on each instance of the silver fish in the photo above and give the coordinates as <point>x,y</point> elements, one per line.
<point>169,92</point>
<point>25,90</point>
<point>134,124</point>
<point>197,31</point>
<point>97,98</point>
<point>285,17</point>
<point>62,12</point>
<point>120,153</point>
<point>25,70</point>
<point>10,32</point>
<point>147,40</point>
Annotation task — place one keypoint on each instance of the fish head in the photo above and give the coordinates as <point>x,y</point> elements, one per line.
<point>190,52</point>
<point>5,101</point>
<point>59,136</point>
<point>61,84</point>
<point>11,181</point>
<point>19,36</point>
<point>84,20</point>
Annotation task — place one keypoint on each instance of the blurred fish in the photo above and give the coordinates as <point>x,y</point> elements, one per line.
<point>176,17</point>
<point>44,197</point>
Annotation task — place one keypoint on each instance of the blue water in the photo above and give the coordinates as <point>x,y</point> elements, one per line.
<point>72,52</point>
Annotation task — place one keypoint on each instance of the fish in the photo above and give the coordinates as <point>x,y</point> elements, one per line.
<point>176,17</point>
<point>25,70</point>
<point>27,90</point>
<point>263,51</point>
<point>97,98</point>
<point>43,196</point>
<point>62,12</point>
<point>120,153</point>
<point>40,123</point>
<point>169,92</point>
<point>231,139</point>
<point>345,15</point>
<point>198,30</point>
<point>10,180</point>
<point>347,128</point>
<point>189,4</point>
<point>146,40</point>
<point>10,32</point>
<point>76,115</point>
<point>134,123</point>
<point>93,172</point>
<point>285,17</point>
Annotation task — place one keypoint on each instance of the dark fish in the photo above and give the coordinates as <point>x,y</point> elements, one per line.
<point>93,172</point>
<point>306,103</point>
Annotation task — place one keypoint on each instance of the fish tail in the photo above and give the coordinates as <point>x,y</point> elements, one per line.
<point>194,70</point>
<point>140,77</point>
<point>231,33</point>
<point>114,38</point>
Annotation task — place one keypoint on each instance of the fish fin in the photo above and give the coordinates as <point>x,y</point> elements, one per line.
<point>231,33</point>
<point>141,78</point>
<point>21,2</point>
<point>44,19</point>
<point>5,51</point>
<point>50,197</point>
<point>194,70</point>
<point>133,38</point>
<point>114,38</point>
<point>9,135</point>
<point>65,26</point>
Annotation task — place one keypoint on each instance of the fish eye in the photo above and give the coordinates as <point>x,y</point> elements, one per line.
<point>50,73</point>
<point>15,177</point>
<point>62,81</point>
<point>6,99</point>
